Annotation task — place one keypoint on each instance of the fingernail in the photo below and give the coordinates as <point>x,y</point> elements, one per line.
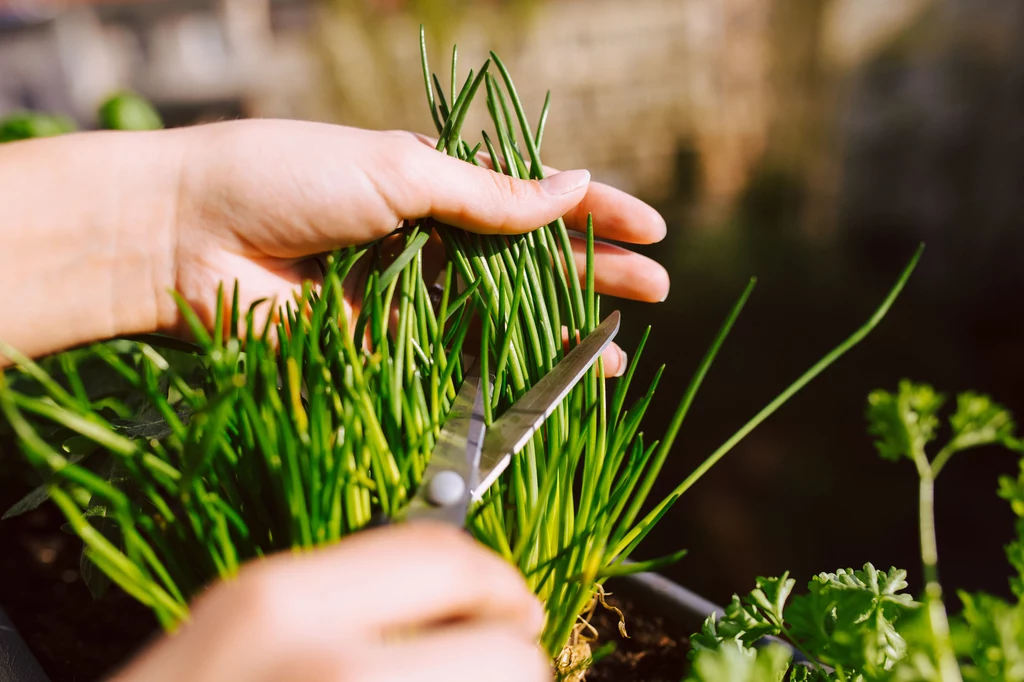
<point>565,182</point>
<point>668,288</point>
<point>623,362</point>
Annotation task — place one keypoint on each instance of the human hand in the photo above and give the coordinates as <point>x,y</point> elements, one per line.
<point>258,198</point>
<point>420,602</point>
<point>99,227</point>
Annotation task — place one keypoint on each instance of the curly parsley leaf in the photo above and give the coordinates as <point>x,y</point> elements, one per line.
<point>740,664</point>
<point>905,422</point>
<point>1012,490</point>
<point>979,420</point>
<point>758,614</point>
<point>867,604</point>
<point>846,620</point>
<point>993,638</point>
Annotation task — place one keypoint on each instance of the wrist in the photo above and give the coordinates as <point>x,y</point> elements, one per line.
<point>88,237</point>
<point>145,229</point>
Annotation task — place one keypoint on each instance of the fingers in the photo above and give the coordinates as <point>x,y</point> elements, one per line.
<point>613,357</point>
<point>287,189</point>
<point>421,600</point>
<point>618,216</point>
<point>622,273</point>
<point>433,184</point>
<point>615,361</point>
<point>394,579</point>
<point>460,654</point>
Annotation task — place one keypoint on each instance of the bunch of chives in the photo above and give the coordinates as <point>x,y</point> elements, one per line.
<point>295,434</point>
<point>568,512</point>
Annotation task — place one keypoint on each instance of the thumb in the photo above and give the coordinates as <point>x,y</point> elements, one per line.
<point>457,193</point>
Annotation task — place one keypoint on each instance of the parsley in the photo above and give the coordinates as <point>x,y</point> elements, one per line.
<point>845,623</point>
<point>862,626</point>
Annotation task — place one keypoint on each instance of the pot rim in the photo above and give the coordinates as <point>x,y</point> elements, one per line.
<point>17,664</point>
<point>670,600</point>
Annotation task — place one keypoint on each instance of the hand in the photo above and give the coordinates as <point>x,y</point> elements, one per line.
<point>257,198</point>
<point>413,603</point>
<point>99,227</point>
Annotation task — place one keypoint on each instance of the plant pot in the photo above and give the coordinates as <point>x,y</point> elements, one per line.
<point>659,616</point>
<point>17,664</point>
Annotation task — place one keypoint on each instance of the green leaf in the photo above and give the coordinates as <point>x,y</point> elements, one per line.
<point>150,425</point>
<point>708,637</point>
<point>94,578</point>
<point>748,619</point>
<point>403,259</point>
<point>1012,490</point>
<point>903,423</point>
<point>994,638</point>
<point>848,618</point>
<point>738,664</point>
<point>770,596</point>
<point>867,605</point>
<point>979,420</point>
<point>35,498</point>
<point>745,622</point>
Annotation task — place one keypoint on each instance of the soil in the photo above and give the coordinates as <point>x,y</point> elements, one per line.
<point>655,651</point>
<point>77,638</point>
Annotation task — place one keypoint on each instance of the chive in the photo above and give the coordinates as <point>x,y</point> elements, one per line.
<point>289,444</point>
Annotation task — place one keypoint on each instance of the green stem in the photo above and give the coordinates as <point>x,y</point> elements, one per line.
<point>949,670</point>
<point>941,458</point>
<point>795,642</point>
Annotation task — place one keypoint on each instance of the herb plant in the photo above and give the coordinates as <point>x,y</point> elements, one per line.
<point>303,430</point>
<point>862,625</point>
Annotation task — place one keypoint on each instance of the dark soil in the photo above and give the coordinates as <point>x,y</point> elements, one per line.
<point>78,639</point>
<point>75,637</point>
<point>655,651</point>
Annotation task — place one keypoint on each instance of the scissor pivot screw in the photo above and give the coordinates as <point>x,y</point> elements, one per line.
<point>445,488</point>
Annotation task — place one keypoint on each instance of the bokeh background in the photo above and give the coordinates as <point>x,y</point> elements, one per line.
<point>812,143</point>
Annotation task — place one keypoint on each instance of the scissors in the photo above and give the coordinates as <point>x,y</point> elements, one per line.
<point>469,456</point>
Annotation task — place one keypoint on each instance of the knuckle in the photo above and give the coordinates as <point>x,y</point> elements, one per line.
<point>511,188</point>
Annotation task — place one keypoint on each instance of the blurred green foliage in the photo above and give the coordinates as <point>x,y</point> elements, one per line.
<point>24,125</point>
<point>129,111</point>
<point>121,111</point>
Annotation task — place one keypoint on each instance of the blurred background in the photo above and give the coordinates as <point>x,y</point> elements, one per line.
<point>812,143</point>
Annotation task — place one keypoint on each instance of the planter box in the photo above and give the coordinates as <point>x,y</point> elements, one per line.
<point>17,664</point>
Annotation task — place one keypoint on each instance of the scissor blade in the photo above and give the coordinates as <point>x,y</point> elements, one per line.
<point>510,433</point>
<point>452,473</point>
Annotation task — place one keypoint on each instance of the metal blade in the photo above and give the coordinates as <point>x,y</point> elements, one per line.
<point>510,433</point>
<point>451,475</point>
